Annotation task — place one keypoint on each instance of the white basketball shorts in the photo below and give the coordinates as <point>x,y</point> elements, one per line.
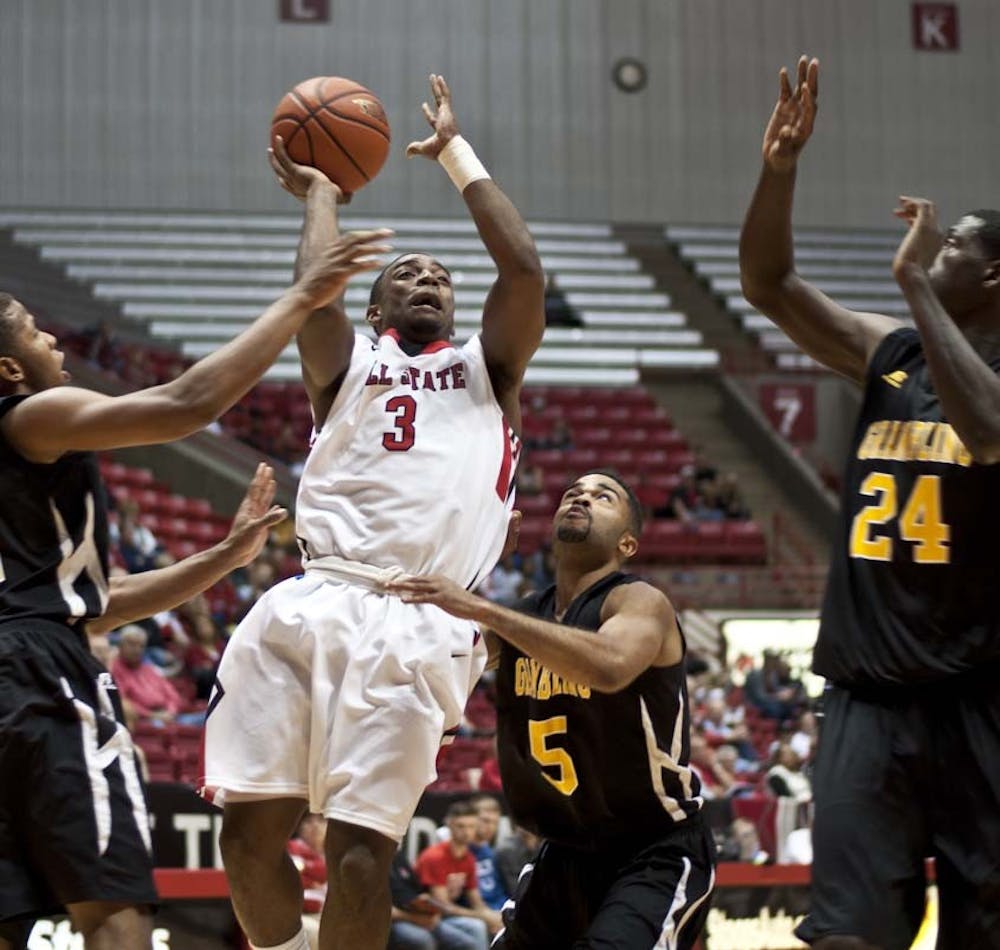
<point>340,695</point>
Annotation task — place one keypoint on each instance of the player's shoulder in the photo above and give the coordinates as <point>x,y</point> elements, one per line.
<point>631,592</point>
<point>897,348</point>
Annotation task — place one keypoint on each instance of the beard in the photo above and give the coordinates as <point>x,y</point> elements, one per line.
<point>573,532</point>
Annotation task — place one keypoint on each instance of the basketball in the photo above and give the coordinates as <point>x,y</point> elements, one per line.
<point>335,125</point>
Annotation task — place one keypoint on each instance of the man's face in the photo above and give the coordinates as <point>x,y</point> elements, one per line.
<point>131,649</point>
<point>489,821</point>
<point>36,363</point>
<point>593,510</point>
<point>463,829</point>
<point>961,267</point>
<point>416,300</point>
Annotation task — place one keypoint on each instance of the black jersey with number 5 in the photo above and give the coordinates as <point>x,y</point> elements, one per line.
<point>588,769</point>
<point>913,589</point>
<point>53,536</point>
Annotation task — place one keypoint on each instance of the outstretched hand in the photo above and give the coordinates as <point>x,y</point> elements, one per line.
<point>255,517</point>
<point>296,178</point>
<point>922,242</point>
<point>327,275</point>
<point>442,122</point>
<point>440,591</point>
<point>793,117</point>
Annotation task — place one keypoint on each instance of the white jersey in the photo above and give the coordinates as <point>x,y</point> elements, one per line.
<point>414,465</point>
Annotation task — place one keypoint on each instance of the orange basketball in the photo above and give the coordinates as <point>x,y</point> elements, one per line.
<point>335,125</point>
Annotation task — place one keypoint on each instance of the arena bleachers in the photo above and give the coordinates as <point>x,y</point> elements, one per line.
<point>195,280</point>
<point>853,267</point>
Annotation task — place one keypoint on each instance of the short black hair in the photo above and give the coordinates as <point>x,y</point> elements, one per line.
<point>8,326</point>
<point>460,809</point>
<point>989,232</point>
<point>635,516</point>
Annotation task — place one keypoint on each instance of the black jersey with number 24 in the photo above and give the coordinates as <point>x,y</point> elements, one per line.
<point>53,536</point>
<point>913,589</point>
<point>584,768</point>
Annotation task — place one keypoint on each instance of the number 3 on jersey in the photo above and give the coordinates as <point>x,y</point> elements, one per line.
<point>920,521</point>
<point>539,732</point>
<point>402,436</point>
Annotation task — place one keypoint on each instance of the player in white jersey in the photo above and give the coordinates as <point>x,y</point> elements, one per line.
<point>332,694</point>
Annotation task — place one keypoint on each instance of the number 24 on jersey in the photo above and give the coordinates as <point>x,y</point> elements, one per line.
<point>919,523</point>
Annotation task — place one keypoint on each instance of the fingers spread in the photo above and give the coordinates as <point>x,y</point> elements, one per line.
<point>785,86</point>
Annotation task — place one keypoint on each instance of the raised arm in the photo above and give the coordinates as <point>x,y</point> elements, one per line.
<point>64,419</point>
<point>638,630</point>
<point>138,596</point>
<point>514,315</point>
<point>841,339</point>
<point>967,386</point>
<point>326,338</point>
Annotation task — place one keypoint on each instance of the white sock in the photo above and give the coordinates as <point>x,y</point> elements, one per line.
<point>298,942</point>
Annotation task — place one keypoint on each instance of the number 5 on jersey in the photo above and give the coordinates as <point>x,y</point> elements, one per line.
<point>539,733</point>
<point>400,439</point>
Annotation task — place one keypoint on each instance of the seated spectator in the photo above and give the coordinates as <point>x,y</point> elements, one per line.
<point>785,776</point>
<point>558,312</point>
<point>201,659</point>
<point>560,437</point>
<point>716,781</point>
<point>491,888</point>
<point>721,724</point>
<point>139,547</point>
<point>744,772</point>
<point>771,690</point>
<point>804,740</point>
<point>707,507</point>
<point>729,500</point>
<point>743,844</point>
<point>530,480</point>
<point>513,854</point>
<point>308,853</point>
<point>684,499</point>
<point>417,922</point>
<point>503,585</point>
<point>150,694</point>
<point>448,870</point>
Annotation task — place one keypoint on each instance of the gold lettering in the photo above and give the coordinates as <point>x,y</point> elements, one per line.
<point>544,684</point>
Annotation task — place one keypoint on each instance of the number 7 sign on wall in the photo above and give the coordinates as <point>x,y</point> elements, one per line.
<point>791,409</point>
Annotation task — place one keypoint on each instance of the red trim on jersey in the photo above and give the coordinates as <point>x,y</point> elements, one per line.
<point>511,451</point>
<point>434,347</point>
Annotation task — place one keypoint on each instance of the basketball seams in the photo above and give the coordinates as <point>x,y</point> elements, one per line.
<point>354,120</point>
<point>346,153</point>
<point>312,113</point>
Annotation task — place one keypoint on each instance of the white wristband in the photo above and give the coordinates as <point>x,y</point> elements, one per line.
<point>460,162</point>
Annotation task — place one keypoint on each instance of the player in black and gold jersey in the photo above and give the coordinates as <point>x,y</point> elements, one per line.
<point>74,832</point>
<point>909,758</point>
<point>593,738</point>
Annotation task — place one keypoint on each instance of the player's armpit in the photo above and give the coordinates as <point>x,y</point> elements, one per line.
<point>842,340</point>
<point>67,419</point>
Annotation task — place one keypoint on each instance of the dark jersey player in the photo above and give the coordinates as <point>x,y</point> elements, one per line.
<point>593,736</point>
<point>909,759</point>
<point>73,826</point>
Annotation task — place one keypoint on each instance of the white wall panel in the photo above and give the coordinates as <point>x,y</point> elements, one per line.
<point>165,103</point>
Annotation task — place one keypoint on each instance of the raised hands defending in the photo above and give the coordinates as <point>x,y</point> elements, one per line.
<point>922,242</point>
<point>328,273</point>
<point>793,117</point>
<point>442,122</point>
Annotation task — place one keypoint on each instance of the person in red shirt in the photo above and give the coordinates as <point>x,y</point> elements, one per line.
<point>448,870</point>
<point>152,696</point>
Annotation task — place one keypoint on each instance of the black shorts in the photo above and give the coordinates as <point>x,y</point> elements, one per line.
<point>73,821</point>
<point>897,780</point>
<point>658,896</point>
